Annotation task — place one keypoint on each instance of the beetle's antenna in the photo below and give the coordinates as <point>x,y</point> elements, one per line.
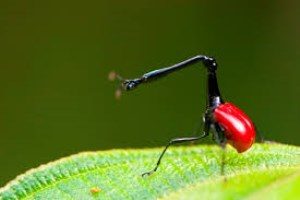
<point>126,84</point>
<point>112,76</point>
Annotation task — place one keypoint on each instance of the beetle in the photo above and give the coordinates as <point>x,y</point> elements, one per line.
<point>227,122</point>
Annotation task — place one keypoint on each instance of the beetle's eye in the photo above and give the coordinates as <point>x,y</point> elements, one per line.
<point>129,84</point>
<point>211,63</point>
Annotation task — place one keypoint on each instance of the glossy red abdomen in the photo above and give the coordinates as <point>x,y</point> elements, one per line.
<point>239,129</point>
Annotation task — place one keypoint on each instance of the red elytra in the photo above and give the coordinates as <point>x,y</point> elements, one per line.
<point>239,129</point>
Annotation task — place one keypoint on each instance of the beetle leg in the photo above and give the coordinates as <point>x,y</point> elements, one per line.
<point>221,140</point>
<point>218,134</point>
<point>260,134</point>
<point>177,141</point>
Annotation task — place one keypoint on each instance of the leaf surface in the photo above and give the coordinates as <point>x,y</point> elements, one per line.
<point>185,173</point>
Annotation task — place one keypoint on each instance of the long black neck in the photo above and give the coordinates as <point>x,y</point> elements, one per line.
<point>213,93</point>
<point>214,97</point>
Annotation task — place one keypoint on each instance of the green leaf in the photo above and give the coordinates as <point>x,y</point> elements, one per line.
<point>267,170</point>
<point>250,185</point>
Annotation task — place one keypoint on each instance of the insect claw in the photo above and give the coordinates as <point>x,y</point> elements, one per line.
<point>147,173</point>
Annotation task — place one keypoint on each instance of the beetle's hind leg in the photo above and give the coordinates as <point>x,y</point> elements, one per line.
<point>260,135</point>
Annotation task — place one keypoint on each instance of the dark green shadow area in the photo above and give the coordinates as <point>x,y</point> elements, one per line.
<point>55,99</point>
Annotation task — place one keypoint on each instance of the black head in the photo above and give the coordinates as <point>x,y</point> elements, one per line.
<point>210,63</point>
<point>130,84</point>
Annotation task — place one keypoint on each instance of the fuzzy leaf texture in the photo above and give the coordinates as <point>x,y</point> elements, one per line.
<point>267,171</point>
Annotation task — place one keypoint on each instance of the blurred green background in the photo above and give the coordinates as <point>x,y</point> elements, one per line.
<point>55,99</point>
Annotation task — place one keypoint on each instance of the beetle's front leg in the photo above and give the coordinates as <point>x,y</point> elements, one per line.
<point>177,141</point>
